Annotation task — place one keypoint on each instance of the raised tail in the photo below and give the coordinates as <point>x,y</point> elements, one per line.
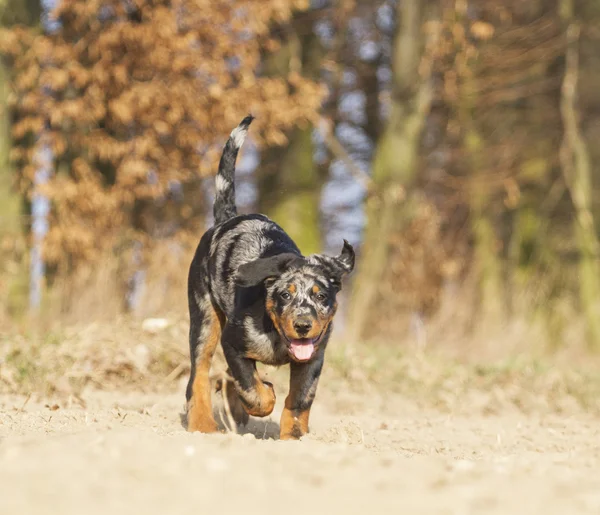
<point>224,207</point>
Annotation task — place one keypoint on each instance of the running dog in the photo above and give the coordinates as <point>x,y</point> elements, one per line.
<point>250,288</point>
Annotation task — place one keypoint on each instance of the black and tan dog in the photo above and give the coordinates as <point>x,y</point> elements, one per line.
<point>250,287</point>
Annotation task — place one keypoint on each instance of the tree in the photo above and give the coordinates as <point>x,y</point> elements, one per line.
<point>289,182</point>
<point>137,97</point>
<point>12,12</point>
<point>27,13</point>
<point>395,163</point>
<point>577,169</point>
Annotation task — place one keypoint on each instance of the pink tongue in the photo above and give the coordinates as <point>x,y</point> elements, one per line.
<point>302,349</point>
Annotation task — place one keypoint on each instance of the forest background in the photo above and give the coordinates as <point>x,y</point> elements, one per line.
<point>452,142</point>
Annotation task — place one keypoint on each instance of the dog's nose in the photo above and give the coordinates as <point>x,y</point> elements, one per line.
<point>302,326</point>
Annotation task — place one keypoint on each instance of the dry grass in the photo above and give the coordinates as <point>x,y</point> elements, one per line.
<point>99,355</point>
<point>123,355</point>
<point>434,379</point>
<point>81,342</point>
<point>97,293</point>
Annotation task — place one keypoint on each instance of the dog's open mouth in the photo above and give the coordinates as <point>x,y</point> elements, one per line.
<point>302,349</point>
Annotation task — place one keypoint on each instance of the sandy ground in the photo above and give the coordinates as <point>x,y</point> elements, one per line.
<point>128,453</point>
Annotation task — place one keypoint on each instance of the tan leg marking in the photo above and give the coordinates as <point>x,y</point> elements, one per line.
<point>294,423</point>
<point>199,412</point>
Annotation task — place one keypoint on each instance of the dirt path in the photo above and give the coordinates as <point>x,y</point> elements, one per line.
<point>129,454</point>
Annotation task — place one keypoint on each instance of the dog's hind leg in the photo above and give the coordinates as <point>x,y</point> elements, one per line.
<point>238,412</point>
<point>205,332</point>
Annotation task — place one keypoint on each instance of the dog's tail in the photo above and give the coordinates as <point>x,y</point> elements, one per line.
<point>224,207</point>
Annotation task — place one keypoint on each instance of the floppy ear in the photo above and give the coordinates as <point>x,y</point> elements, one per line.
<point>255,272</point>
<point>346,258</point>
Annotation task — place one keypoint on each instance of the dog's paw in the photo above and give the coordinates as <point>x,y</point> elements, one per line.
<point>261,400</point>
<point>202,425</point>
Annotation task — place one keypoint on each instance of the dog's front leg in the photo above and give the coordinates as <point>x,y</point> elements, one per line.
<point>257,396</point>
<point>304,378</point>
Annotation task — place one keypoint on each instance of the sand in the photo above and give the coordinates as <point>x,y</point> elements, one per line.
<point>128,453</point>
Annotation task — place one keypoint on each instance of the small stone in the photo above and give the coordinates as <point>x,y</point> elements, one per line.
<point>155,325</point>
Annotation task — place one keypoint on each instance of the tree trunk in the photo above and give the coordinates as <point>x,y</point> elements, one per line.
<point>488,266</point>
<point>487,259</point>
<point>396,159</point>
<point>577,169</point>
<point>10,200</point>
<point>289,184</point>
<point>291,196</point>
<point>12,12</point>
<point>12,203</point>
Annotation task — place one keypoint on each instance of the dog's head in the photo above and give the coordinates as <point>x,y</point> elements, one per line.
<point>300,295</point>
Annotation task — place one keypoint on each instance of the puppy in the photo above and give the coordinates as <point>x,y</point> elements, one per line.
<point>250,288</point>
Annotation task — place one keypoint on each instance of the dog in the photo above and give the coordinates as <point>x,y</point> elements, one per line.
<point>250,288</point>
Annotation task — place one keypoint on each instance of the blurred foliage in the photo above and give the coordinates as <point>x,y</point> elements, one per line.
<point>494,209</point>
<point>133,97</point>
<point>468,126</point>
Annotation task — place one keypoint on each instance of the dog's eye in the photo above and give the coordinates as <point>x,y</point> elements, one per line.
<point>321,297</point>
<point>285,295</point>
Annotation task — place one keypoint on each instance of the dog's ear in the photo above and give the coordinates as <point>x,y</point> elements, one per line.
<point>346,258</point>
<point>341,265</point>
<point>255,272</point>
